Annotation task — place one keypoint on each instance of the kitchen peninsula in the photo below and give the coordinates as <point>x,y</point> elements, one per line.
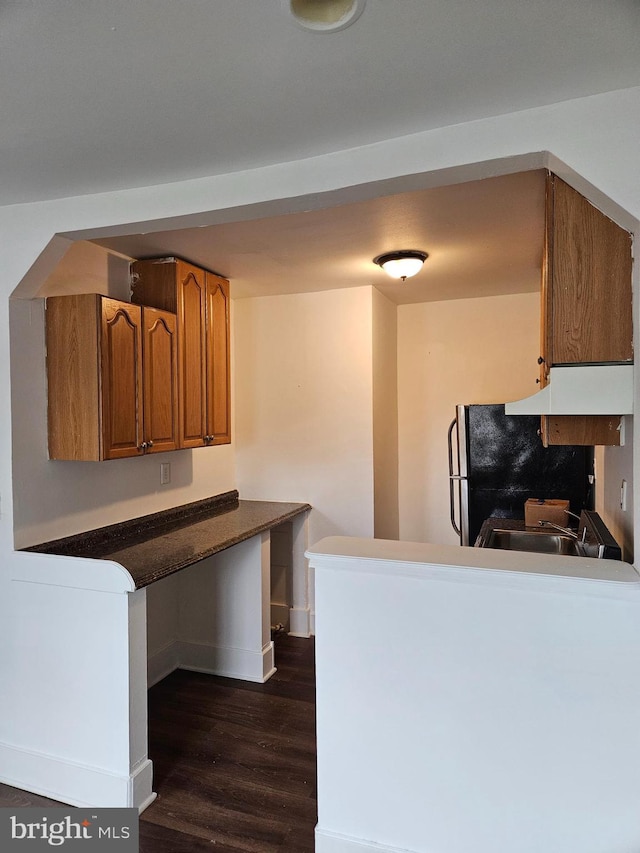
<point>118,608</point>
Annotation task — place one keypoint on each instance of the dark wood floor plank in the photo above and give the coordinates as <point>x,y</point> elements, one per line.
<point>234,762</point>
<point>16,798</point>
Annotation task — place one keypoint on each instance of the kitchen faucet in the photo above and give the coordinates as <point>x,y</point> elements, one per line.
<point>566,530</point>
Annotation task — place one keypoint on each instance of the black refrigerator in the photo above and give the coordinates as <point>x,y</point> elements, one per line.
<point>497,462</point>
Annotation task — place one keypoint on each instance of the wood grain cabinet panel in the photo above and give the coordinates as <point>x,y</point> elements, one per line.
<point>74,404</point>
<point>191,317</point>
<point>201,301</point>
<point>586,303</point>
<point>589,287</point>
<point>218,418</point>
<point>121,378</point>
<point>160,383</point>
<point>112,378</point>
<point>580,429</point>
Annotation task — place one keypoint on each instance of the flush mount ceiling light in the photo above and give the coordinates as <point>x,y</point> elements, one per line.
<point>324,16</point>
<point>401,264</point>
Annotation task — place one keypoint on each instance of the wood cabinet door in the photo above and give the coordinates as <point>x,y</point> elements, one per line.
<point>218,424</point>
<point>191,354</point>
<point>587,295</point>
<point>586,303</point>
<point>586,430</point>
<point>121,375</point>
<point>160,380</point>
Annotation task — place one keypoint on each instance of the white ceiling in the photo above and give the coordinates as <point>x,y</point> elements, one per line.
<point>105,94</point>
<point>483,238</point>
<point>98,95</point>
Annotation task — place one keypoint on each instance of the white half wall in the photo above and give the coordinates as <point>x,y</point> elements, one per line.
<point>498,716</point>
<point>461,351</point>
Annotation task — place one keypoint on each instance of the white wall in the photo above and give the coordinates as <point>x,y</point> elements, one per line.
<point>87,268</point>
<point>385,417</point>
<point>613,465</point>
<point>303,405</point>
<point>460,351</point>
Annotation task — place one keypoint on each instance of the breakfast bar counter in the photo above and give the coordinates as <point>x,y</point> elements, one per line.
<point>154,546</point>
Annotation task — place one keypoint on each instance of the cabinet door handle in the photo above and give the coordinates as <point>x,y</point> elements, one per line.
<point>540,360</point>
<point>150,443</point>
<point>143,446</point>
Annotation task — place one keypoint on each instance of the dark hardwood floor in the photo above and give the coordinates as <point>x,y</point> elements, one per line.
<point>234,762</point>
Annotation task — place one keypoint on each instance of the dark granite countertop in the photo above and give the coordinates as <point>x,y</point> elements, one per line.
<point>154,546</point>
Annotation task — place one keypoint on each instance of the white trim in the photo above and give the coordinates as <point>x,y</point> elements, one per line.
<point>74,572</point>
<point>228,662</point>
<point>75,784</point>
<point>212,660</point>
<point>333,842</point>
<point>299,622</point>
<point>141,785</point>
<point>163,662</point>
<point>452,563</point>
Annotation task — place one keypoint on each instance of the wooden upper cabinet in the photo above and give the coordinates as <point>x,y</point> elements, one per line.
<point>201,302</point>
<point>586,304</point>
<point>112,378</point>
<point>587,296</point>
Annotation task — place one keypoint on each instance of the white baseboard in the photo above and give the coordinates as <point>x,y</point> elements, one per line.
<point>332,842</point>
<point>75,784</point>
<point>299,622</point>
<point>228,662</point>
<point>162,663</point>
<point>213,660</point>
<point>141,786</point>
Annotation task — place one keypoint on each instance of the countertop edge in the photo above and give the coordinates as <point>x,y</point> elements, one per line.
<point>416,557</point>
<point>146,580</point>
<point>109,543</point>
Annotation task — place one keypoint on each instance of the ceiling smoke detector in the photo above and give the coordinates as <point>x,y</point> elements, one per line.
<point>324,16</point>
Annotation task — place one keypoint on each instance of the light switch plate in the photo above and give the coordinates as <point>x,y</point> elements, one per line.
<point>165,473</point>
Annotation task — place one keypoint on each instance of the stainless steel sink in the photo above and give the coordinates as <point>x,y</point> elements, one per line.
<point>591,539</point>
<point>541,542</point>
